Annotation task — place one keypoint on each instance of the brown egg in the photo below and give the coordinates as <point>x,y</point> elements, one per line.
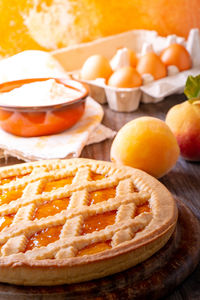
<point>150,63</point>
<point>129,59</point>
<point>176,55</point>
<point>96,66</point>
<point>126,77</point>
<point>133,57</point>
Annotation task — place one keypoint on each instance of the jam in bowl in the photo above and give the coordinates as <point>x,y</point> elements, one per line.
<point>41,106</point>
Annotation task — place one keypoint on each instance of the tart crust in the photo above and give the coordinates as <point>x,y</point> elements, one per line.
<point>133,237</point>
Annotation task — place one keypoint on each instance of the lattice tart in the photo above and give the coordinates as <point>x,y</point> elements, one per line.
<point>66,221</point>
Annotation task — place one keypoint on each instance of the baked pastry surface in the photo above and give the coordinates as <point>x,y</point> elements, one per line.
<point>67,221</point>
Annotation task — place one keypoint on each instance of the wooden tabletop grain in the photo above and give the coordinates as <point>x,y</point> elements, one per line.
<point>183,180</point>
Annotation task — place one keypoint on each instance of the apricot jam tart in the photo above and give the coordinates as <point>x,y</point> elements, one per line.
<point>67,221</point>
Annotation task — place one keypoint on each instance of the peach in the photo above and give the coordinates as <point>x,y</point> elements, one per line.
<point>146,143</point>
<point>184,121</point>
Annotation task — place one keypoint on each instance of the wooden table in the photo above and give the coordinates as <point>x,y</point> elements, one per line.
<point>183,180</point>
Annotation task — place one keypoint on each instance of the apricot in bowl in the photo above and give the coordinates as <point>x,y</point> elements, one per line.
<point>31,121</point>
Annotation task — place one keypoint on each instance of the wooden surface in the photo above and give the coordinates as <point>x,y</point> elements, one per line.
<point>183,181</point>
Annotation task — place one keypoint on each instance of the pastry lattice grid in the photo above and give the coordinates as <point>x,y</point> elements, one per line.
<point>33,180</point>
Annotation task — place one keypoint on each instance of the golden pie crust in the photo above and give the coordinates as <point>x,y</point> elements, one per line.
<point>67,221</point>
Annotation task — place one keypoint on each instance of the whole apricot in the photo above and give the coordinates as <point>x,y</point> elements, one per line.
<point>184,121</point>
<point>146,143</point>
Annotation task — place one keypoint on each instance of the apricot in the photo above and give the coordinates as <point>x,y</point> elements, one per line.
<point>184,121</point>
<point>146,143</point>
<point>96,66</point>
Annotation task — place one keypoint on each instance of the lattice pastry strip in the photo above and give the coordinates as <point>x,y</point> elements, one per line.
<point>14,245</point>
<point>59,219</point>
<point>125,212</point>
<point>79,242</point>
<point>78,199</point>
<point>82,175</point>
<point>18,243</point>
<point>24,214</point>
<point>35,175</point>
<point>71,229</point>
<point>65,191</point>
<point>125,187</point>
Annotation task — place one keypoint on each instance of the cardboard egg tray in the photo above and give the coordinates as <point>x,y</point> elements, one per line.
<point>152,91</point>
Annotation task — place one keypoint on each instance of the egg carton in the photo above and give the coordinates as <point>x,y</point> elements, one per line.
<point>140,41</point>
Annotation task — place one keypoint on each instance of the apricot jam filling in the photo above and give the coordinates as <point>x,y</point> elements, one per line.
<point>54,185</point>
<point>44,237</point>
<point>8,196</point>
<point>51,208</point>
<point>96,176</point>
<point>98,222</point>
<point>95,248</point>
<point>101,195</point>
<point>142,208</point>
<point>9,179</point>
<point>6,221</point>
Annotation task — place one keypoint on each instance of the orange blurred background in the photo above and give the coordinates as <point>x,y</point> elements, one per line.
<point>52,24</point>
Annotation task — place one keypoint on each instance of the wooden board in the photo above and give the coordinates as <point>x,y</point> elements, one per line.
<point>152,279</point>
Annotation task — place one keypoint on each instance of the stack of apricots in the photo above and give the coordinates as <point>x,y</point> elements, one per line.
<point>130,76</point>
